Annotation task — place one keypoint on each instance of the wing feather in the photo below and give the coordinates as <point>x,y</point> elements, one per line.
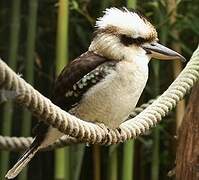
<point>74,80</point>
<point>67,82</point>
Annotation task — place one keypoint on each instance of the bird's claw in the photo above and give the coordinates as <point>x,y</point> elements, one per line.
<point>103,126</point>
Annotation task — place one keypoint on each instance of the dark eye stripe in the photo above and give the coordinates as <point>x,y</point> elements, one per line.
<point>127,40</point>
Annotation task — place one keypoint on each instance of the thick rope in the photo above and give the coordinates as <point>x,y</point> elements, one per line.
<point>42,107</point>
<point>22,143</point>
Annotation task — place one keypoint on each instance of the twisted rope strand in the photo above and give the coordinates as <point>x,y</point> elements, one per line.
<point>22,143</point>
<point>42,107</point>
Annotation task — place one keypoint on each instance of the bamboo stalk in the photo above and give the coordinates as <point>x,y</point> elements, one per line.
<point>155,155</point>
<point>30,56</point>
<point>113,163</point>
<point>12,61</point>
<point>29,68</point>
<point>128,148</point>
<point>62,36</point>
<point>62,155</point>
<point>156,133</point>
<point>96,162</point>
<point>177,65</point>
<point>77,156</point>
<point>128,157</point>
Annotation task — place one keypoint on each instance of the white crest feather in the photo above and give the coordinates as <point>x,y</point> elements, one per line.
<point>128,21</point>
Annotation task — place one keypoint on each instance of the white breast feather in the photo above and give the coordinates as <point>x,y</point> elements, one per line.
<point>113,99</point>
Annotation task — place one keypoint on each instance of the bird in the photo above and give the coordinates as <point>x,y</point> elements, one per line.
<point>104,84</point>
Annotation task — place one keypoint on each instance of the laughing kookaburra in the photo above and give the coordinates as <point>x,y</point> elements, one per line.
<point>104,84</point>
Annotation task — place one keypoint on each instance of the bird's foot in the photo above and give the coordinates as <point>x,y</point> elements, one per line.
<point>103,126</point>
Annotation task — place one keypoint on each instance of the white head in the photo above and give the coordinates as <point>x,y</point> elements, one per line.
<point>122,34</point>
<point>129,23</point>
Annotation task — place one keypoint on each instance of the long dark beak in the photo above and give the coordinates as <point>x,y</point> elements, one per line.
<point>159,51</point>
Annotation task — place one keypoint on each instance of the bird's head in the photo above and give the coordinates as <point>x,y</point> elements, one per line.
<point>122,34</point>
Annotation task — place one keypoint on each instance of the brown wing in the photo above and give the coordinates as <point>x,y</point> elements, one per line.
<point>90,67</point>
<point>71,74</point>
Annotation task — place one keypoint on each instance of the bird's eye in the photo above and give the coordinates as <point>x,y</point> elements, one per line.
<point>127,40</point>
<point>139,40</point>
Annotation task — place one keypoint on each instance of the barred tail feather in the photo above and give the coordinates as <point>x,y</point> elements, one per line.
<point>22,162</point>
